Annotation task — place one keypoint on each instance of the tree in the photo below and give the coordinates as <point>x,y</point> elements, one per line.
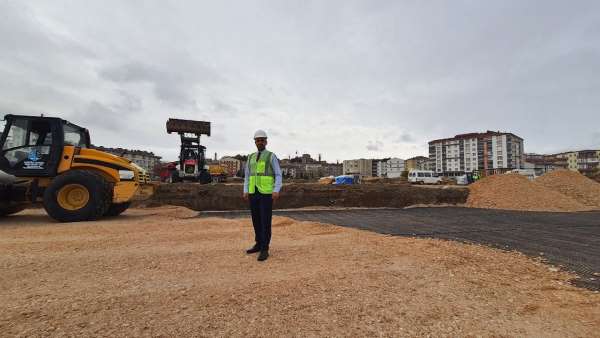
<point>242,158</point>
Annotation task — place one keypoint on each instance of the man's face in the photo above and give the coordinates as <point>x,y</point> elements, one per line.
<point>261,143</point>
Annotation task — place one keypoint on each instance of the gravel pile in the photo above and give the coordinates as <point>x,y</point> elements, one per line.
<point>572,184</point>
<point>516,192</point>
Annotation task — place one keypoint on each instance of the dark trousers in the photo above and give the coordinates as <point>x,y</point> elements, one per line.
<point>261,206</point>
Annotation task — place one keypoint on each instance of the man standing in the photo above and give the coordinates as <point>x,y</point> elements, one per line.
<point>262,182</point>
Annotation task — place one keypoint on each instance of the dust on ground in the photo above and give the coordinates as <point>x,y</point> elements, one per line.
<point>161,271</point>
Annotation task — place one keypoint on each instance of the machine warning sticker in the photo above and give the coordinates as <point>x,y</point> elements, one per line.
<point>34,161</point>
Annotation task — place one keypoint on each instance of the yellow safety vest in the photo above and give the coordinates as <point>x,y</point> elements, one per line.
<point>261,173</point>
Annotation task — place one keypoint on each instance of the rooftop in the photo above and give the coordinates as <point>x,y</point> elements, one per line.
<point>475,135</point>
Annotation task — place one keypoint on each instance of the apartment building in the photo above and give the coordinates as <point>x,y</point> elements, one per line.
<point>332,169</point>
<point>417,163</point>
<point>380,167</point>
<point>488,153</point>
<point>145,159</point>
<point>361,167</point>
<point>584,161</point>
<point>231,165</point>
<point>310,170</point>
<point>541,163</point>
<point>395,167</point>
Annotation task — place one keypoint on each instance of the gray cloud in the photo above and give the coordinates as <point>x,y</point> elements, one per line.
<point>326,74</point>
<point>174,85</point>
<point>223,108</point>
<point>375,146</point>
<point>405,138</point>
<point>97,115</point>
<point>129,103</point>
<point>274,133</point>
<point>596,139</point>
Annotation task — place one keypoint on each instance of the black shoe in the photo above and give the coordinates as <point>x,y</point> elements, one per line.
<point>264,254</point>
<point>253,249</point>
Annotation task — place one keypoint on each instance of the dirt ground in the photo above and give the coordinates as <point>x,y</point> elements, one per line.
<point>162,272</point>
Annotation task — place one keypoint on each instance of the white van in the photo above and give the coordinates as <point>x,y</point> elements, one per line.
<point>423,177</point>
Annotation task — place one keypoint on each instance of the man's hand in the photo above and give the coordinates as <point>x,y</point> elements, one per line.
<point>275,196</point>
<point>245,196</point>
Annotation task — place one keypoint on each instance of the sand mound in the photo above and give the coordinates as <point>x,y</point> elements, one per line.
<point>168,211</point>
<point>516,192</point>
<point>572,184</point>
<point>596,176</point>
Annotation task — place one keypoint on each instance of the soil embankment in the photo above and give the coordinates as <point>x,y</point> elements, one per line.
<point>229,196</point>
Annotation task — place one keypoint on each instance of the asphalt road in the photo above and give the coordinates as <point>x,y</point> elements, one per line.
<point>568,240</point>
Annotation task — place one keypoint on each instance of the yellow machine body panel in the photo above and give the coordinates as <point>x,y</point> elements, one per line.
<point>130,181</point>
<point>66,159</point>
<point>216,169</point>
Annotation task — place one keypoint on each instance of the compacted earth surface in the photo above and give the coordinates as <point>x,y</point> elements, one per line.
<point>165,272</point>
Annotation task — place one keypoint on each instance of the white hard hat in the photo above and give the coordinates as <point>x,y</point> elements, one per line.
<point>260,134</point>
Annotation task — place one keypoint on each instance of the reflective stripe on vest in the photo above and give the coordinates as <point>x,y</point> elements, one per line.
<point>261,173</point>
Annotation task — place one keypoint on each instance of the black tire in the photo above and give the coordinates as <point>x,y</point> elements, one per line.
<point>116,209</point>
<point>175,178</point>
<point>11,209</point>
<point>204,177</point>
<point>100,196</point>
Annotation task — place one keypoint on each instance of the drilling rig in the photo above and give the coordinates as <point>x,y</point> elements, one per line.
<point>192,161</point>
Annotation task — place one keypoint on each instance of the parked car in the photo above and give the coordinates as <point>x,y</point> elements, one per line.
<point>423,177</point>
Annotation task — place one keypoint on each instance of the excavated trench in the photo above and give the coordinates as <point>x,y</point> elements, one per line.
<point>228,196</point>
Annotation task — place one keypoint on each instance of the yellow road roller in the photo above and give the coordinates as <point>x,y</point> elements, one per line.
<point>50,160</point>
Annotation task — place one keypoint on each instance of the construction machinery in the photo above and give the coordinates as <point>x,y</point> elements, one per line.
<point>217,173</point>
<point>192,161</point>
<point>50,160</point>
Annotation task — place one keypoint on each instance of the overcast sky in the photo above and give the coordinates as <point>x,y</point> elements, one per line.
<point>346,79</point>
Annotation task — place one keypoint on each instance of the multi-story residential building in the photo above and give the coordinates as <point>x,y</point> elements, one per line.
<point>360,167</point>
<point>374,167</point>
<point>145,159</point>
<point>306,167</point>
<point>313,170</point>
<point>291,170</point>
<point>584,161</point>
<point>395,167</point>
<point>489,153</point>
<point>380,167</point>
<point>331,169</point>
<point>386,167</point>
<point>542,164</point>
<point>572,161</point>
<point>231,165</point>
<point>417,163</point>
<point>309,170</point>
